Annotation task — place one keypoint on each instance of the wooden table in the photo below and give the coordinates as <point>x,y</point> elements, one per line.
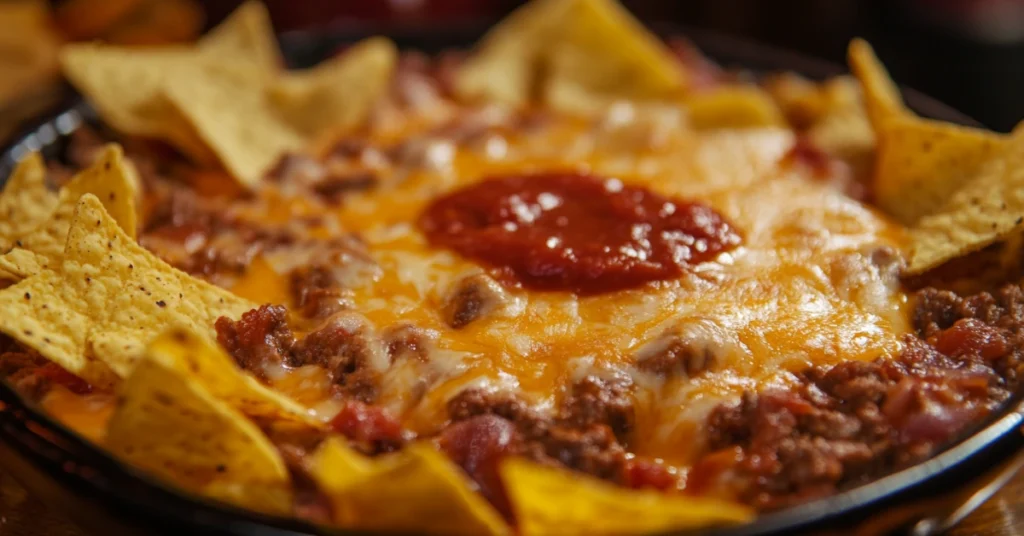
<point>22,515</point>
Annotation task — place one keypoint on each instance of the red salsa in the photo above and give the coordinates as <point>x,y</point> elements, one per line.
<point>576,232</point>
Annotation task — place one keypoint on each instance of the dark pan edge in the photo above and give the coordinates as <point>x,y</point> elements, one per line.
<point>58,462</point>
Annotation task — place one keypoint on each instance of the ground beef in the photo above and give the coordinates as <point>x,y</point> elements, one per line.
<point>259,338</point>
<point>594,400</point>
<point>347,348</point>
<point>408,341</point>
<point>33,375</point>
<point>857,421</point>
<point>471,298</point>
<point>334,187</point>
<point>343,345</point>
<point>316,292</point>
<point>579,437</point>
<point>198,236</point>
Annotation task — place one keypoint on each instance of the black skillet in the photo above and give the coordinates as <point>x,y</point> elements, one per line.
<point>107,497</point>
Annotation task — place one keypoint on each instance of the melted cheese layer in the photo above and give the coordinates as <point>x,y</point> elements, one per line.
<point>804,289</point>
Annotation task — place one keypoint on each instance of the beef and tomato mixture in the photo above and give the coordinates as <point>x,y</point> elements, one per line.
<point>697,301</point>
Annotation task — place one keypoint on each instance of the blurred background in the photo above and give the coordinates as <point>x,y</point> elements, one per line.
<point>967,53</point>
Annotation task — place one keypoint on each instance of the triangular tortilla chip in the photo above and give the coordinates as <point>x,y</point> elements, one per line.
<point>985,209</point>
<point>604,51</point>
<point>18,264</point>
<point>169,425</point>
<point>110,180</point>
<point>550,501</point>
<point>26,202</point>
<point>569,50</point>
<point>920,163</point>
<point>415,490</point>
<point>733,107</point>
<point>881,94</point>
<point>107,300</point>
<point>245,36</point>
<point>125,85</point>
<point>505,66</point>
<point>239,126</point>
<point>339,93</point>
<point>207,364</point>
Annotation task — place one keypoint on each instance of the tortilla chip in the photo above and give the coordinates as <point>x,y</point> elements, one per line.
<point>339,93</point>
<point>26,202</point>
<point>606,51</point>
<point>881,94</point>
<point>239,126</point>
<point>206,364</point>
<point>415,490</point>
<point>245,36</point>
<point>18,264</point>
<point>507,62</point>
<point>126,87</point>
<point>553,501</point>
<point>988,207</point>
<point>170,426</point>
<point>733,107</point>
<point>110,180</point>
<point>921,163</point>
<point>107,299</point>
<point>568,48</point>
<point>842,127</point>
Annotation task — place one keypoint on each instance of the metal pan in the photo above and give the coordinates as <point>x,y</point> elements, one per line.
<point>108,497</point>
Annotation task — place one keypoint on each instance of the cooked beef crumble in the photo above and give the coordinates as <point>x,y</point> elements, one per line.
<point>857,421</point>
<point>581,436</point>
<point>343,345</point>
<point>840,426</point>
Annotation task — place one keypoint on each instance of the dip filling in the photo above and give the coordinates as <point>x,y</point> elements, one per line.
<point>696,312</point>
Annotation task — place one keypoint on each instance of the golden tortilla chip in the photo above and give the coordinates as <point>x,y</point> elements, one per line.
<point>565,49</point>
<point>842,127</point>
<point>26,202</point>
<point>126,87</point>
<point>988,207</point>
<point>921,163</point>
<point>206,363</point>
<point>339,93</point>
<point>881,94</point>
<point>172,427</point>
<point>416,490</point>
<point>733,107</point>
<point>507,62</point>
<point>554,501</point>
<point>18,264</point>
<point>238,125</point>
<point>107,300</point>
<point>605,51</point>
<point>110,180</point>
<point>245,36</point>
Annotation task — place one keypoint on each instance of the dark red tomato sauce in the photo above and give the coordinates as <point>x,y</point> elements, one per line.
<point>576,232</point>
